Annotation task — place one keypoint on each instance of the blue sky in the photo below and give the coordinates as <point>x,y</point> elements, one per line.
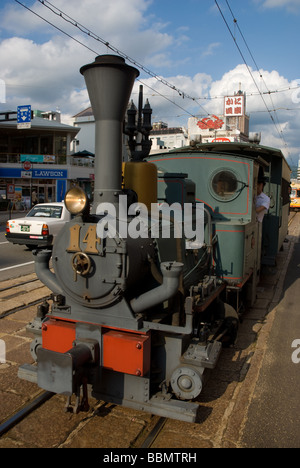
<point>187,43</point>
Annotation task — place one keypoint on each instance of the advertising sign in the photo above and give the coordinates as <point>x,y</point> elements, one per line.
<point>211,123</point>
<point>38,158</point>
<point>35,173</point>
<point>234,106</point>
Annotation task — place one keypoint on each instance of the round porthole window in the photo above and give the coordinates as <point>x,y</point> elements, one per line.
<point>224,185</point>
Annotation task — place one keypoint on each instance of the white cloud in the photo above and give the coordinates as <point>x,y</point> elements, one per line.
<point>284,122</point>
<point>291,5</point>
<point>211,49</point>
<point>41,66</point>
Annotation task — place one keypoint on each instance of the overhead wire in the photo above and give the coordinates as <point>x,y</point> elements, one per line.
<point>282,90</point>
<point>92,35</point>
<point>181,93</point>
<point>280,133</point>
<point>255,63</point>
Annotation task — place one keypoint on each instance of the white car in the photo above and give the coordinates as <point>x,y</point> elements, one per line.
<point>39,227</point>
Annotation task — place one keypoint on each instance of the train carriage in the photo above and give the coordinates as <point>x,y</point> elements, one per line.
<point>235,165</point>
<point>295,197</point>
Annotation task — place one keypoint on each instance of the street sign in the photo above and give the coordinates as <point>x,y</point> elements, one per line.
<point>26,174</point>
<point>24,117</point>
<point>27,165</point>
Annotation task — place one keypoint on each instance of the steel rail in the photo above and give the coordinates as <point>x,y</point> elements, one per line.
<point>17,285</point>
<point>154,433</point>
<point>17,417</point>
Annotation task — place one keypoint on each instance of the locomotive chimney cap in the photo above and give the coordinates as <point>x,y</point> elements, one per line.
<point>105,60</point>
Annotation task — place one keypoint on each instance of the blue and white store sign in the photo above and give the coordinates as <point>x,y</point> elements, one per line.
<point>16,173</point>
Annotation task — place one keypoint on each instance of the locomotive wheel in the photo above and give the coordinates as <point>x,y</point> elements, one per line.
<point>186,383</point>
<point>230,326</point>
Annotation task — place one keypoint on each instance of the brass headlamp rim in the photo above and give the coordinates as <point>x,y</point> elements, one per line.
<point>76,200</point>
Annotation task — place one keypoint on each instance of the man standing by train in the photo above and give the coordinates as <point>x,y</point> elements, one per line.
<point>262,200</point>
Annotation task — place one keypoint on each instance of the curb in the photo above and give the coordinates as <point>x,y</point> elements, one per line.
<point>238,411</point>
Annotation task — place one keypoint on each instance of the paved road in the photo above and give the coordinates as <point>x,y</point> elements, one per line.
<point>274,414</point>
<point>15,260</point>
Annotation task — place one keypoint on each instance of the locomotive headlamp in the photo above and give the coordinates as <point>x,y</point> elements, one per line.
<point>76,200</point>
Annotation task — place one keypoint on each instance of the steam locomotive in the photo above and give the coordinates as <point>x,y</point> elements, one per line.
<point>137,319</point>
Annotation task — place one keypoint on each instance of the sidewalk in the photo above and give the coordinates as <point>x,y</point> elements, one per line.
<point>273,419</point>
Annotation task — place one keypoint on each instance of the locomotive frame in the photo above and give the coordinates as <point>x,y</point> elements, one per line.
<point>137,321</point>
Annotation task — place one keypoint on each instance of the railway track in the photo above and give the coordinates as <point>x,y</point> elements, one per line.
<point>149,440</point>
<point>105,425</point>
<point>148,434</point>
<point>292,217</point>
<point>16,295</point>
<point>144,441</point>
<point>25,411</point>
<point>17,285</point>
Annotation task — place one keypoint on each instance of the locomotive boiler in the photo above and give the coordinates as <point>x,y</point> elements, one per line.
<point>134,319</point>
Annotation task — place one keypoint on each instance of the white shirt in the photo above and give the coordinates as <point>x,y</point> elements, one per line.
<point>262,200</point>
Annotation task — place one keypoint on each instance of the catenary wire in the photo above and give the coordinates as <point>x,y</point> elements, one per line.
<point>280,133</point>
<point>121,54</point>
<point>94,36</point>
<point>255,63</point>
<point>85,30</point>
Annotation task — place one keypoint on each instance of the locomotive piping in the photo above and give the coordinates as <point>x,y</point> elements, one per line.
<point>43,272</point>
<point>171,277</point>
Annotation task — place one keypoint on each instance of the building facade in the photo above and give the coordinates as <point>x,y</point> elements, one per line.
<point>164,138</point>
<point>36,163</point>
<point>84,122</point>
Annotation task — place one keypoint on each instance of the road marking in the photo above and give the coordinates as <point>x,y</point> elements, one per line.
<point>16,266</point>
<point>4,242</point>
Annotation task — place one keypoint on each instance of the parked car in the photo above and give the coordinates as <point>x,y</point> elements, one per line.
<point>39,227</point>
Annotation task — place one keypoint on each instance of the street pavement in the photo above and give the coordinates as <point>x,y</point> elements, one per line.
<point>250,400</point>
<point>273,419</point>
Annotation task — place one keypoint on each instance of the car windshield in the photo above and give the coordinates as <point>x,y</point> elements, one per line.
<point>45,212</point>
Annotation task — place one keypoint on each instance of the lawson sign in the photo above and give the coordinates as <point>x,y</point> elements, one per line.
<point>34,173</point>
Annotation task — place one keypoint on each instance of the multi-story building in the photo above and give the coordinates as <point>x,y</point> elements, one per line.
<point>164,138</point>
<point>84,121</point>
<point>37,160</point>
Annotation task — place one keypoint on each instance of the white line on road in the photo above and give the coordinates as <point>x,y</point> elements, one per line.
<point>4,242</point>
<point>16,266</point>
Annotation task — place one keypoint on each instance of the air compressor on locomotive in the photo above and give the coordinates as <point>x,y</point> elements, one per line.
<point>133,321</point>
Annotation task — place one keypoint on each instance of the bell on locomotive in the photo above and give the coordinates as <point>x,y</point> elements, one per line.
<point>136,316</point>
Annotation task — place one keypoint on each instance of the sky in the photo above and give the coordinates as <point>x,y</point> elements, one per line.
<point>190,54</point>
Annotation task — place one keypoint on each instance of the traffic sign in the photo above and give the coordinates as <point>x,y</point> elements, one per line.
<point>27,165</point>
<point>24,117</point>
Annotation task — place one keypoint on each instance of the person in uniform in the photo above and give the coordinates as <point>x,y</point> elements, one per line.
<point>262,200</point>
